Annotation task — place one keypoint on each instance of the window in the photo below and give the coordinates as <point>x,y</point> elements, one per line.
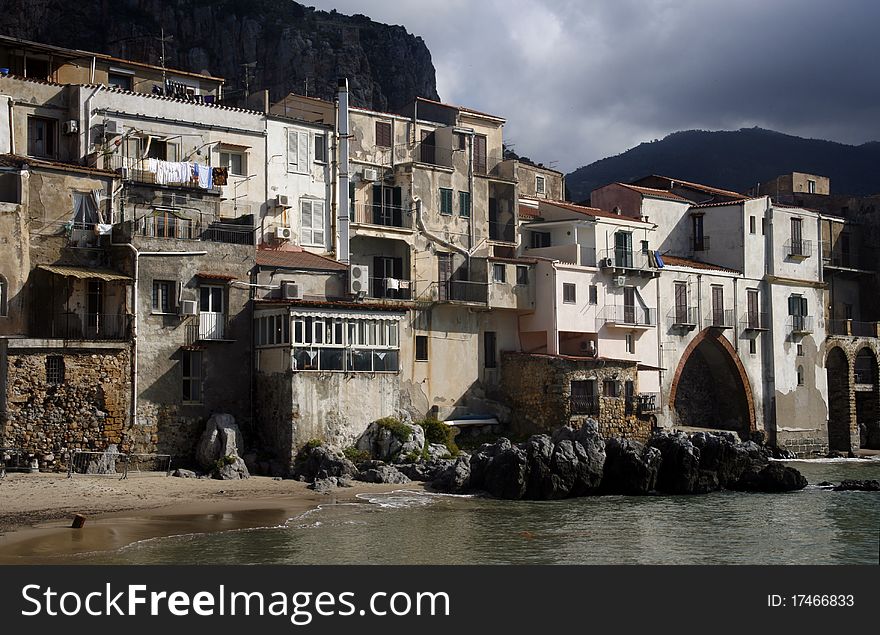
<point>569,293</point>
<point>480,159</point>
<point>234,162</point>
<point>464,204</point>
<point>85,210</point>
<point>540,239</point>
<point>718,306</point>
<point>119,80</point>
<point>699,238</point>
<point>445,200</point>
<point>751,224</point>
<point>42,136</point>
<point>320,148</point>
<point>421,348</point>
<point>159,149</point>
<point>763,226</point>
<point>800,375</point>
<point>4,297</point>
<point>499,272</point>
<point>610,388</point>
<point>489,346</point>
<point>800,350</point>
<point>191,366</point>
<point>334,343</point>
<point>311,223</point>
<point>630,344</point>
<point>797,243</point>
<point>298,151</point>
<point>681,302</point>
<point>752,304</point>
<point>811,186</point>
<point>539,184</point>
<point>163,301</point>
<point>54,370</point>
<point>383,134</point>
<point>753,346</point>
<point>594,294</point>
<point>522,275</point>
<point>459,141</point>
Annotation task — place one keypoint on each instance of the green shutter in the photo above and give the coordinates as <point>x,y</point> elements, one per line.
<point>464,204</point>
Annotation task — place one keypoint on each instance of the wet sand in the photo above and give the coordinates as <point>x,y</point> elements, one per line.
<point>36,510</point>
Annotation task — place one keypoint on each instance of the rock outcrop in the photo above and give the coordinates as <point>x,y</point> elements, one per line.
<point>320,462</point>
<point>391,440</point>
<point>220,447</point>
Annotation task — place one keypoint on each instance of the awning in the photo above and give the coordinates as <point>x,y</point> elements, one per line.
<point>107,275</point>
<point>343,315</point>
<point>215,276</point>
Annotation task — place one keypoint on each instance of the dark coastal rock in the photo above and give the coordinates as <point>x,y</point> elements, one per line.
<point>501,469</point>
<point>455,478</point>
<point>181,473</point>
<point>724,455</point>
<point>323,485</point>
<point>230,468</point>
<point>392,440</point>
<point>381,473</point>
<point>858,486</point>
<point>425,471</point>
<point>679,471</point>
<point>321,462</point>
<point>630,467</point>
<point>772,478</point>
<point>539,453</point>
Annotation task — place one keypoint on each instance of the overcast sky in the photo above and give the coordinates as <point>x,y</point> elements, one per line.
<point>582,80</point>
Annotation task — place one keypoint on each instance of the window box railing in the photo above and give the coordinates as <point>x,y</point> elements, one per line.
<point>700,243</point>
<point>853,328</point>
<point>624,259</point>
<point>720,319</point>
<point>756,322</point>
<point>206,327</point>
<point>583,404</point>
<point>642,403</point>
<point>683,317</point>
<point>799,248</point>
<point>502,232</point>
<point>382,216</point>
<point>390,288</point>
<point>463,291</point>
<point>800,324</point>
<point>86,326</point>
<point>168,226</point>
<point>627,315</point>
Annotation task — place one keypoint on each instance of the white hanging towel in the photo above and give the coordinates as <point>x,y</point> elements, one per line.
<point>392,283</point>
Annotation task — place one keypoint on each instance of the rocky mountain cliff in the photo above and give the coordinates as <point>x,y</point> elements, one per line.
<point>735,160</point>
<point>296,48</point>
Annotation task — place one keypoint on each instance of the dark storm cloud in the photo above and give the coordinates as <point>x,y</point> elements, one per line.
<point>578,81</point>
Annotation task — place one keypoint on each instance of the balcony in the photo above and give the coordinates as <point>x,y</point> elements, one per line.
<point>642,403</point>
<point>172,227</point>
<point>720,319</point>
<point>206,327</point>
<point>627,316</point>
<point>684,317</point>
<point>583,405</point>
<point>390,289</point>
<point>755,322</point>
<point>463,291</point>
<point>798,249</point>
<point>700,243</point>
<point>158,172</point>
<point>800,324</point>
<point>625,259</point>
<point>86,327</point>
<point>853,328</point>
<point>382,216</point>
<point>502,232</point>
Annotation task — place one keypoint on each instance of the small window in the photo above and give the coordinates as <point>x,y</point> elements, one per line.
<point>539,184</point>
<point>569,293</point>
<point>800,375</point>
<point>4,297</point>
<point>751,224</point>
<point>192,376</point>
<point>54,370</point>
<point>42,137</point>
<point>594,294</point>
<point>163,300</point>
<point>800,350</point>
<point>763,226</point>
<point>610,388</point>
<point>445,201</point>
<point>320,148</point>
<point>421,348</point>
<point>460,140</point>
<point>383,134</point>
<point>630,344</point>
<point>118,80</point>
<point>540,239</point>
<point>489,349</point>
<point>499,272</point>
<point>811,186</point>
<point>234,162</point>
<point>753,346</point>
<point>522,275</point>
<point>464,204</point>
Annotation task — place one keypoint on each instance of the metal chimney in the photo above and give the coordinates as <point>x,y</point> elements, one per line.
<point>343,248</point>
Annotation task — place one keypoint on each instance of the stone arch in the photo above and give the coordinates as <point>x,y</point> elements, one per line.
<point>839,400</point>
<point>867,395</point>
<point>711,388</point>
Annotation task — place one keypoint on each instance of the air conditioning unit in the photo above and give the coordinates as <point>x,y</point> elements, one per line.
<point>371,174</point>
<point>188,307</point>
<point>111,128</point>
<point>290,291</point>
<point>70,126</point>
<point>282,201</point>
<point>283,233</point>
<point>359,279</point>
<point>605,263</point>
<point>619,281</point>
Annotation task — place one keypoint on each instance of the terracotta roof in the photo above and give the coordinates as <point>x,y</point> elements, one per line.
<point>702,188</point>
<point>297,260</point>
<point>652,191</point>
<point>593,211</point>
<point>677,261</point>
<point>528,211</point>
<point>514,261</point>
<point>20,162</point>
<point>460,108</point>
<point>722,204</point>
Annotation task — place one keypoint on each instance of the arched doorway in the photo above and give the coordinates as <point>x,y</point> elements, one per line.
<point>866,397</point>
<point>839,415</point>
<point>710,388</point>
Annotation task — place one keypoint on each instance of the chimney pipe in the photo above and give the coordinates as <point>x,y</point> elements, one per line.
<point>343,248</point>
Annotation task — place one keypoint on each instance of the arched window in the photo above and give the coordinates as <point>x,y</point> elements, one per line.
<point>4,293</point>
<point>800,375</point>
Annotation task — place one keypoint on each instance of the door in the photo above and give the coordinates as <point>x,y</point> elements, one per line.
<point>386,270</point>
<point>797,309</point>
<point>583,397</point>
<point>681,303</point>
<point>444,277</point>
<point>427,151</point>
<point>753,317</point>
<point>212,314</point>
<point>623,256</point>
<point>718,306</point>
<point>387,202</point>
<point>797,246</point>
<point>698,232</point>
<point>629,305</point>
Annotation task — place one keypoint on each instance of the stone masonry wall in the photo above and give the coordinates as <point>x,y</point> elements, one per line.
<point>88,411</point>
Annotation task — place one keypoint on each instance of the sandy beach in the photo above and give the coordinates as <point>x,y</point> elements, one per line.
<point>36,510</point>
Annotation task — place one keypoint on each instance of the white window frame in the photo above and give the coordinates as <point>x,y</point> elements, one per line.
<point>170,287</point>
<point>298,144</point>
<point>308,231</point>
<point>540,184</point>
<point>226,161</point>
<point>320,141</point>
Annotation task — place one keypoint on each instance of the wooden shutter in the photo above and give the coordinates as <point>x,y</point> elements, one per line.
<point>480,159</point>
<point>303,153</point>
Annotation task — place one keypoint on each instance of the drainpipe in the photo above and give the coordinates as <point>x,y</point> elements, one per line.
<point>343,252</point>
<point>334,174</point>
<point>92,70</point>
<point>471,234</point>
<point>767,352</point>
<point>659,345</point>
<point>86,122</point>
<point>700,299</point>
<point>555,350</point>
<point>434,237</point>
<point>735,309</point>
<point>11,127</point>
<point>134,333</point>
